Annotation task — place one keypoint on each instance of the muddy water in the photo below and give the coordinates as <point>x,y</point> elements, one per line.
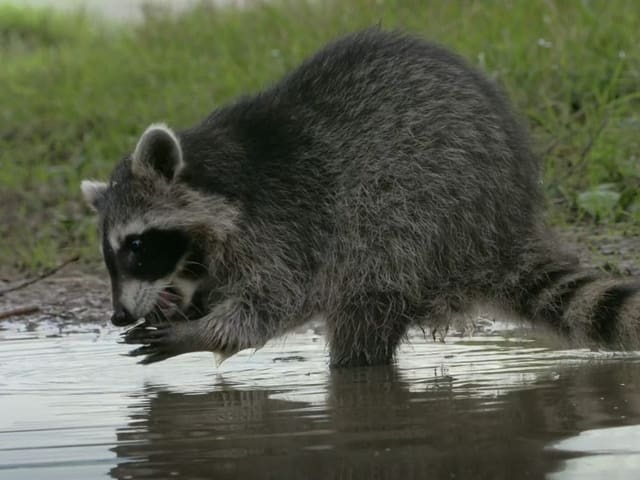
<point>495,406</point>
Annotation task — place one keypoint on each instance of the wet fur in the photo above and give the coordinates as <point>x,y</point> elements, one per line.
<point>384,183</point>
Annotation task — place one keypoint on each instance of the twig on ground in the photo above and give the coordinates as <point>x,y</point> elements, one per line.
<point>15,312</point>
<point>42,276</point>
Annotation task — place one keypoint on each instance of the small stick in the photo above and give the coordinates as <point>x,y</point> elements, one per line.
<point>15,312</point>
<point>42,276</point>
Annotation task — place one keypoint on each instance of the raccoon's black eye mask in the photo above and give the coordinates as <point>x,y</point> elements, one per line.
<point>152,254</point>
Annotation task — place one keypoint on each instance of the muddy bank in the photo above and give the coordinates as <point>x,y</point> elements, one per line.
<point>70,296</point>
<point>598,246</point>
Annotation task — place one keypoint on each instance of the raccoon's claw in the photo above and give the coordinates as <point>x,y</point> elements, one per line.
<point>159,342</point>
<point>145,334</point>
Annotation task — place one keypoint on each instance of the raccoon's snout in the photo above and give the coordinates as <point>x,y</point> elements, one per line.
<point>121,317</point>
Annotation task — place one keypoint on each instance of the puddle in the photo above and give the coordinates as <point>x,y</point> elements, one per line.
<point>609,450</point>
<point>491,406</point>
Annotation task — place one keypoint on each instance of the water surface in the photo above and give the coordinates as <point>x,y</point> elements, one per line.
<point>493,406</point>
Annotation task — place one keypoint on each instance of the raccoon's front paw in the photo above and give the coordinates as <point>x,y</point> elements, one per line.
<point>161,340</point>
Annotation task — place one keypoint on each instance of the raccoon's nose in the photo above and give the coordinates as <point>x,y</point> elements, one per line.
<point>121,317</point>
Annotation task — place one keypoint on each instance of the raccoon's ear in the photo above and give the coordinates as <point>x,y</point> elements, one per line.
<point>93,193</point>
<point>158,151</point>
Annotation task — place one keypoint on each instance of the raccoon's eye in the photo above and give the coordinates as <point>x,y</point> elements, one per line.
<point>135,245</point>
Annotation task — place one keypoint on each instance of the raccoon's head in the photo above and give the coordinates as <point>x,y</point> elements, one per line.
<point>156,232</point>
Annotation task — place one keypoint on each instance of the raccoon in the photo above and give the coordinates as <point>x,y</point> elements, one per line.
<point>384,184</point>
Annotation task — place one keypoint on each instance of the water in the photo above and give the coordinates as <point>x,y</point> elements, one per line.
<point>491,406</point>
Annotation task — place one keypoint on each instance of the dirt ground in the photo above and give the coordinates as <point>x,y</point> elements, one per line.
<point>76,295</point>
<point>70,296</point>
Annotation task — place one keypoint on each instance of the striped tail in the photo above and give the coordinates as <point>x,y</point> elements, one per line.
<point>585,306</point>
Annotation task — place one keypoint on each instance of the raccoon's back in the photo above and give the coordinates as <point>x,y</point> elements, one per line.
<point>379,143</point>
<point>370,103</point>
<point>426,151</point>
<point>375,81</point>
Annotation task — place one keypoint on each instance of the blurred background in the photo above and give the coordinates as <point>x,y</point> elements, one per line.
<point>80,80</point>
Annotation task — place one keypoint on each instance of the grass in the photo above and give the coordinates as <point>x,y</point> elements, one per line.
<point>75,94</point>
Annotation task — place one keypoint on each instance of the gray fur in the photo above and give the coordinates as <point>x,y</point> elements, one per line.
<point>158,151</point>
<point>384,183</point>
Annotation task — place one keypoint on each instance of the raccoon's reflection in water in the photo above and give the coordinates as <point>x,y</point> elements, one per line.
<point>375,423</point>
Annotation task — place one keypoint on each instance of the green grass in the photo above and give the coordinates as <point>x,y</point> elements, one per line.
<point>75,94</point>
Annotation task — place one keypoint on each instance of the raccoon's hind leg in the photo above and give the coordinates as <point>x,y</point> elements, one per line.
<point>365,329</point>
